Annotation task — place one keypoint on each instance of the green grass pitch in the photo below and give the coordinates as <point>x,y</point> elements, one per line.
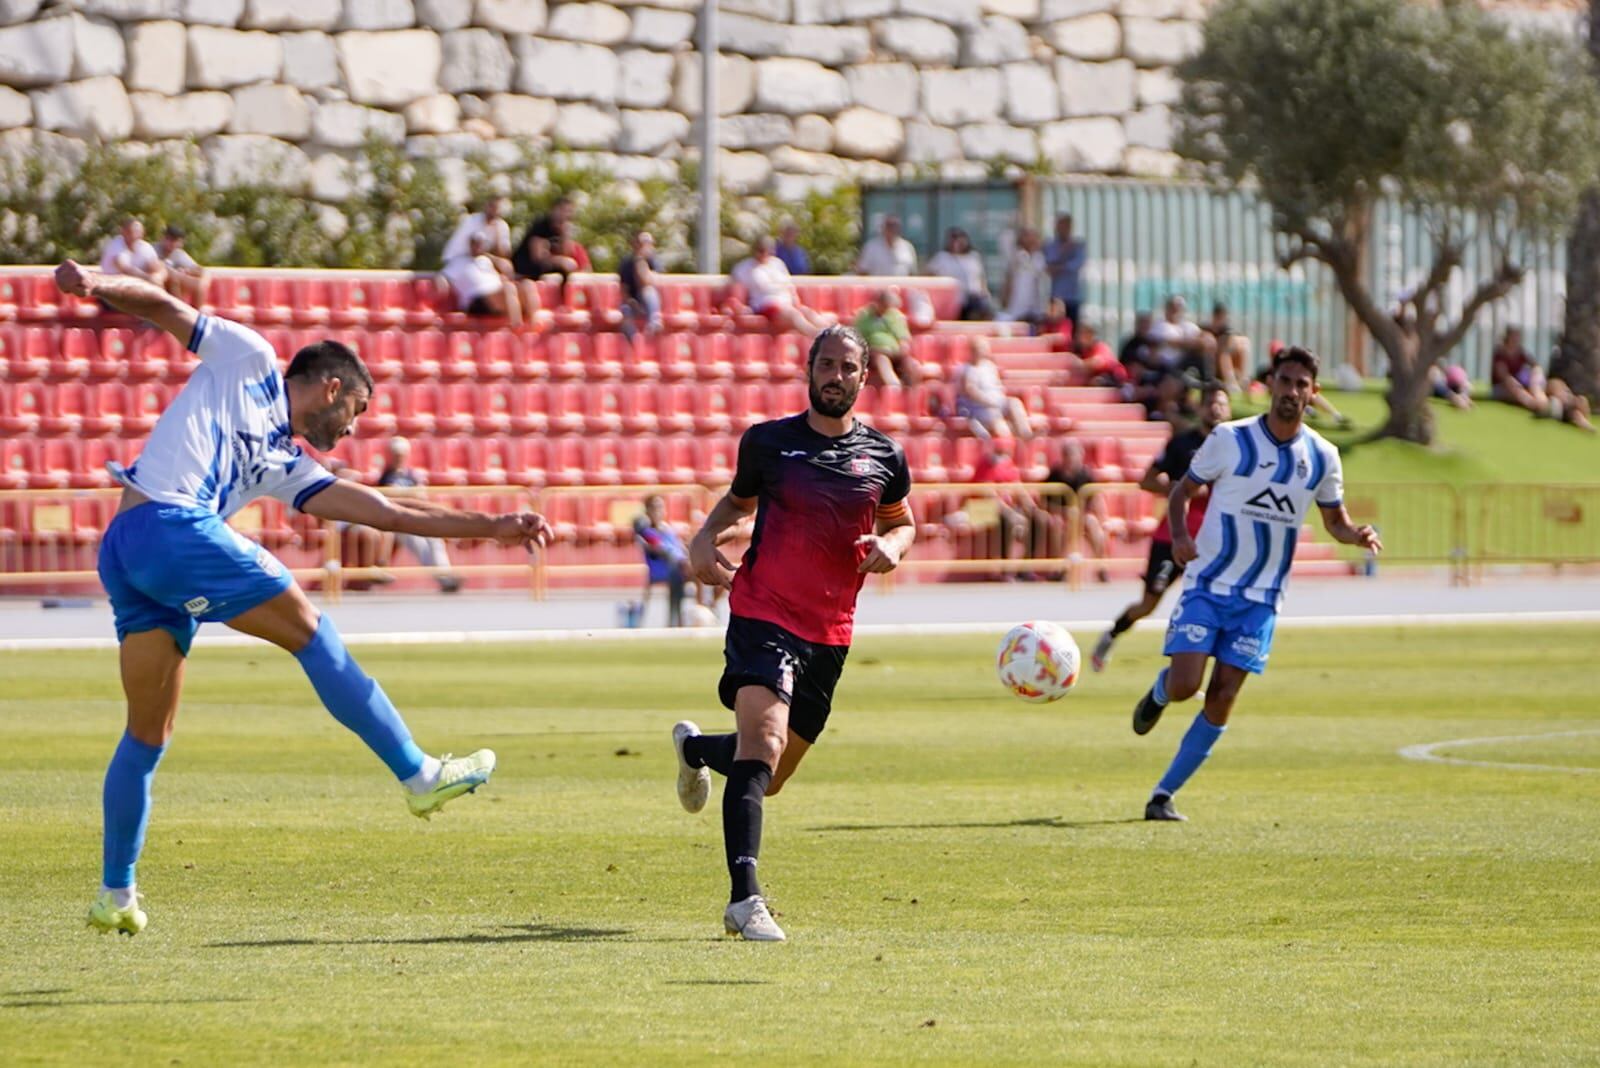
<point>963,877</point>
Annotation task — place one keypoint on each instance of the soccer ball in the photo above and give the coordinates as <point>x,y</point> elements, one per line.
<point>1038,661</point>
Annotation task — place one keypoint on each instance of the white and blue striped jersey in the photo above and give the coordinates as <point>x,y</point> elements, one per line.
<point>1261,491</point>
<point>225,438</point>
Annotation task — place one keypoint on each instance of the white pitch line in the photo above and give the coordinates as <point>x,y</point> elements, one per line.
<point>996,627</point>
<point>1427,752</point>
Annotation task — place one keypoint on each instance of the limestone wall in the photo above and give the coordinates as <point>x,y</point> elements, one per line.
<point>810,91</point>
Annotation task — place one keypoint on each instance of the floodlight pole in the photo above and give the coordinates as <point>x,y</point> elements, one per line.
<point>710,244</point>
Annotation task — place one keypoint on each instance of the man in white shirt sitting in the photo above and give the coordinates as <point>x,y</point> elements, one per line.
<point>489,223</point>
<point>481,282</point>
<point>769,291</point>
<point>1179,344</point>
<point>889,254</point>
<point>129,253</point>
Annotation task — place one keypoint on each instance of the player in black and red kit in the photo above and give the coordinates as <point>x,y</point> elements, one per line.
<point>1173,463</point>
<point>829,495</point>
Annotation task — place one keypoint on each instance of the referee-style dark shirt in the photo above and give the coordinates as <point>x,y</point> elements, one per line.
<point>816,496</point>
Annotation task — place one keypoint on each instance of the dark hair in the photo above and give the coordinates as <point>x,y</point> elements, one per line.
<point>174,231</point>
<point>1211,386</point>
<point>839,330</point>
<point>1219,308</point>
<point>327,359</point>
<point>1296,354</point>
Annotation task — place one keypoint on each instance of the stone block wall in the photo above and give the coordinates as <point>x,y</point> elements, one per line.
<point>810,92</point>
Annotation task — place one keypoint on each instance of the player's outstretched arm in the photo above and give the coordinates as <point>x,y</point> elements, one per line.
<point>132,295</point>
<point>355,503</point>
<point>706,561</point>
<point>1336,521</point>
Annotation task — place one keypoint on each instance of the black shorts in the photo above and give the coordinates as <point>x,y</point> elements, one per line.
<point>802,674</point>
<point>1162,570</point>
<point>480,306</point>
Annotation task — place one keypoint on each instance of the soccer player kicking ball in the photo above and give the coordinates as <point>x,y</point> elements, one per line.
<point>170,563</point>
<point>1161,476</point>
<point>1263,472</point>
<point>829,495</point>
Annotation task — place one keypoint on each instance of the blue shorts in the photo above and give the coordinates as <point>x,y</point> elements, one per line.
<point>173,568</point>
<point>1233,630</point>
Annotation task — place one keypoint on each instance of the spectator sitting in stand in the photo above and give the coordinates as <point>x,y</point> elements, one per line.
<point>1025,280</point>
<point>1021,519</point>
<point>960,261</point>
<point>981,398</point>
<point>1180,345</point>
<point>491,223</point>
<point>185,280</point>
<point>1056,326</point>
<point>1232,349</point>
<point>789,251</point>
<point>1451,384</point>
<point>1566,404</point>
<point>1064,257</point>
<point>1100,364</point>
<point>665,558</point>
<point>1071,471</point>
<point>641,300</point>
<point>888,341</point>
<point>889,254</point>
<point>482,284</point>
<point>771,293</point>
<point>540,251</point>
<point>430,552</point>
<point>129,253</point>
<point>568,245</point>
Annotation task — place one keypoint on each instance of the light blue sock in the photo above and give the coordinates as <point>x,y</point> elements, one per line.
<point>126,804</point>
<point>1192,752</point>
<point>357,701</point>
<point>1159,690</point>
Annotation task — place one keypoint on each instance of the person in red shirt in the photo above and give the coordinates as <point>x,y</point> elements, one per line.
<point>1514,376</point>
<point>1166,469</point>
<point>1100,364</point>
<point>829,494</point>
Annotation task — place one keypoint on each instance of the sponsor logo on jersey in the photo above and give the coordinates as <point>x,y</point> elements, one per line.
<point>1247,645</point>
<point>1271,506</point>
<point>268,563</point>
<point>195,605</point>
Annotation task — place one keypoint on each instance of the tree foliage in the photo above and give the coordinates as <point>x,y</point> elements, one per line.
<point>1324,106</point>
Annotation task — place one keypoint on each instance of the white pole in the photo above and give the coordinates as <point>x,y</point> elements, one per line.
<point>710,258</point>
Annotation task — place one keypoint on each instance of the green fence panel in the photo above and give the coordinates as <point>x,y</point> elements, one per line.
<point>988,212</point>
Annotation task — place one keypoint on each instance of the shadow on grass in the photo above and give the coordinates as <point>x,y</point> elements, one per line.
<point>97,1002</point>
<point>715,982</point>
<point>1036,821</point>
<point>507,934</point>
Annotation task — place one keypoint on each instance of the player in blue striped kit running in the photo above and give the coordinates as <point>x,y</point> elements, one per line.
<point>1264,473</point>
<point>170,562</point>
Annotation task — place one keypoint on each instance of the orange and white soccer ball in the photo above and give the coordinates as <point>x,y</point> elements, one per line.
<point>1038,661</point>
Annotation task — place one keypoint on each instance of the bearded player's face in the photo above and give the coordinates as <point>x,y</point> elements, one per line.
<point>837,375</point>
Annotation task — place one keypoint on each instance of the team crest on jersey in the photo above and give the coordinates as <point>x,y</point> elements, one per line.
<point>195,605</point>
<point>861,465</point>
<point>1302,468</point>
<point>268,563</point>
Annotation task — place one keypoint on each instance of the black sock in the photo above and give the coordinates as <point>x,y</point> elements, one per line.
<point>1121,626</point>
<point>741,824</point>
<point>714,751</point>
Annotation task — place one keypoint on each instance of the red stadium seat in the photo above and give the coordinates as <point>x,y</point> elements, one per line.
<point>425,303</point>
<point>68,404</point>
<point>748,405</point>
<point>59,460</point>
<point>491,408</point>
<point>232,297</point>
<point>750,358</point>
<point>711,415</point>
<point>638,361</point>
<point>418,410</point>
<point>713,358</point>
<point>11,295</point>
<point>146,402</point>
<point>605,360</point>
<point>673,355</point>
<point>529,460</point>
<point>310,298</point>
<point>603,464</point>
<point>496,354</point>
<point>641,460</point>
<point>786,356</point>
<point>116,350</point>
<point>384,353</point>
<point>10,345</point>
<point>568,354</point>
<point>108,405</point>
<point>350,301</point>
<point>74,350</point>
<point>22,407</point>
<point>381,419</point>
<point>461,354</point>
<point>788,398</point>
<point>274,301</point>
<point>602,408</point>
<point>565,462</point>
<point>97,452</point>
<point>458,403</point>
<point>638,409</point>
<point>449,461</point>
<point>151,353</point>
<point>677,463</point>
<point>922,454</point>
<point>530,407</point>
<point>424,356</point>
<point>492,462</point>
<point>566,407</point>
<point>41,300</point>
<point>675,406</point>
<point>387,302</point>
<point>714,459</point>
<point>32,360</point>
<point>530,357</point>
<point>19,458</point>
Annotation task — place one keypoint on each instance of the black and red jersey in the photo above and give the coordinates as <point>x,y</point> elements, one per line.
<point>816,496</point>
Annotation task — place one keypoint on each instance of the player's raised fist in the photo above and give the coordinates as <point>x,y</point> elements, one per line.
<point>528,529</point>
<point>72,279</point>
<point>882,557</point>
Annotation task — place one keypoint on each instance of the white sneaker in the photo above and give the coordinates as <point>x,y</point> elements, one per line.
<point>694,784</point>
<point>750,920</point>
